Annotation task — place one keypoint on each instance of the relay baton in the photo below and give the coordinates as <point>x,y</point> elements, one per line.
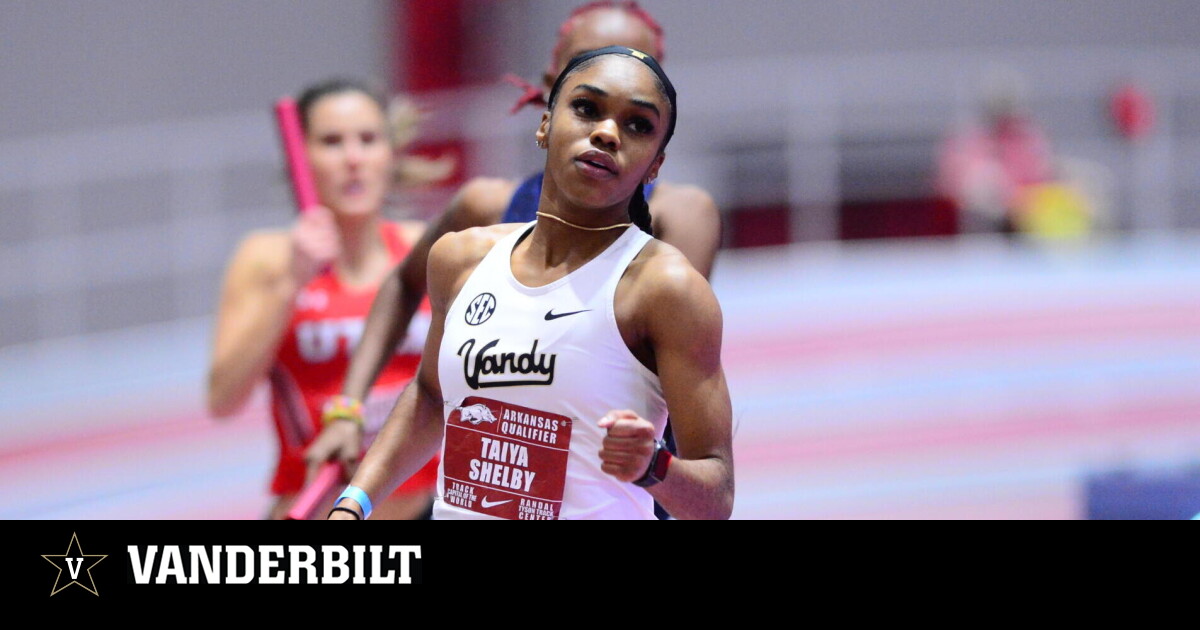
<point>304,191</point>
<point>292,135</point>
<point>310,498</point>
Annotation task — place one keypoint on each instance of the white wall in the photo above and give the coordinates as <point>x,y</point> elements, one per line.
<point>75,64</point>
<point>707,30</point>
<point>138,145</point>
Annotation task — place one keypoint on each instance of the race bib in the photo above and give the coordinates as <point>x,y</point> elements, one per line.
<point>506,461</point>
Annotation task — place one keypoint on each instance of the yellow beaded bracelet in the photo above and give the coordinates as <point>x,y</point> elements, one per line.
<point>343,408</point>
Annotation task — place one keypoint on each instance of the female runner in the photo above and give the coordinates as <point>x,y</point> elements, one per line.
<point>684,216</point>
<point>556,348</point>
<point>293,302</point>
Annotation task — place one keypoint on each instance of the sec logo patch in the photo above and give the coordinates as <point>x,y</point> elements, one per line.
<point>481,308</point>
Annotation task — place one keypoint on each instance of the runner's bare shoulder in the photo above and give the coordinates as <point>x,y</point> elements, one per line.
<point>661,280</point>
<point>660,262</point>
<point>482,201</point>
<point>455,255</point>
<point>262,255</point>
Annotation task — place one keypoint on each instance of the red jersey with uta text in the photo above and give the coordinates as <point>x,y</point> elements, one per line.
<point>327,323</point>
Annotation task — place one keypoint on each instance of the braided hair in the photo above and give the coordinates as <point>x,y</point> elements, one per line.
<point>639,211</point>
<point>628,6</point>
<point>533,95</point>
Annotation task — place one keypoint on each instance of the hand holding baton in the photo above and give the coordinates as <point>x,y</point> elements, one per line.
<point>291,133</point>
<point>314,493</point>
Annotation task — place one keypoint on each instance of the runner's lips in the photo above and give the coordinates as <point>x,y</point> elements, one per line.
<point>599,159</point>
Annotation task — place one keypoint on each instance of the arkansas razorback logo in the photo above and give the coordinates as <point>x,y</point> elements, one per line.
<point>476,414</point>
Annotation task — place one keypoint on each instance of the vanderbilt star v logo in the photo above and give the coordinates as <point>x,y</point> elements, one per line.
<point>551,315</point>
<point>75,564</point>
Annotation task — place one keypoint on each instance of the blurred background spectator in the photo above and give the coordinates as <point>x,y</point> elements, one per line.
<point>1001,174</point>
<point>989,164</point>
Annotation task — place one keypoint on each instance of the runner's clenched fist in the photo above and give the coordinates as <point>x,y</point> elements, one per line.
<point>628,447</point>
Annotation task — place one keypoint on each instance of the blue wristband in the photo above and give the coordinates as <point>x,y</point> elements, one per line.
<point>356,493</point>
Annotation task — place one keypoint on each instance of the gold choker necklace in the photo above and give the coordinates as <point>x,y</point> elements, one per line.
<point>580,227</point>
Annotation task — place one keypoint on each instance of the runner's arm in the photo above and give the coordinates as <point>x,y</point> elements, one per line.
<point>480,202</point>
<point>256,300</point>
<point>683,325</point>
<point>413,431</point>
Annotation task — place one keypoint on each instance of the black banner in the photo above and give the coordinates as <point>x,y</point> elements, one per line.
<point>97,564</point>
<point>294,567</point>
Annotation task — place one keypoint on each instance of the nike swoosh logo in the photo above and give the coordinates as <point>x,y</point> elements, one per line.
<point>485,504</point>
<point>550,316</point>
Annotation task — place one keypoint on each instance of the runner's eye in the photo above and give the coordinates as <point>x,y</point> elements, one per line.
<point>331,139</point>
<point>584,107</point>
<point>641,126</point>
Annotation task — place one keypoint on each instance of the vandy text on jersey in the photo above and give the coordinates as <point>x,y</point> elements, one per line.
<point>481,364</point>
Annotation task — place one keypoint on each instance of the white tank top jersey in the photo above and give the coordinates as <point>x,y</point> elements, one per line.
<point>526,374</point>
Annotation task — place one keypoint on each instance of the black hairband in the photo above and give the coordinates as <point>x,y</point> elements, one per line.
<point>647,59</point>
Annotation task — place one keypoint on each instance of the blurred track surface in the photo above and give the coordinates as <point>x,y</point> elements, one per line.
<point>967,378</point>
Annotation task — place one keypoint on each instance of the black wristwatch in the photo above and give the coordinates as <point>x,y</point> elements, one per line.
<point>659,463</point>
